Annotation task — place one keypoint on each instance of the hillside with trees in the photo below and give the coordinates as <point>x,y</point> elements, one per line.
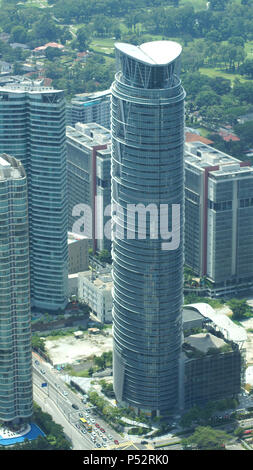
<point>217,58</point>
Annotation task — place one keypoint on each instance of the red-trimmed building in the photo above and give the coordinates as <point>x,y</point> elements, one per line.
<point>89,175</point>
<point>219,218</point>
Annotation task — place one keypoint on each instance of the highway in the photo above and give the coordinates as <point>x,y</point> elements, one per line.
<point>54,397</point>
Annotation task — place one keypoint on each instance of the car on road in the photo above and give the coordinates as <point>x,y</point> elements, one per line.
<point>36,362</point>
<point>42,371</point>
<point>75,406</point>
<point>102,430</point>
<point>98,445</point>
<point>83,431</point>
<point>80,414</point>
<point>116,442</point>
<point>92,420</point>
<point>110,437</point>
<point>65,393</point>
<point>97,425</point>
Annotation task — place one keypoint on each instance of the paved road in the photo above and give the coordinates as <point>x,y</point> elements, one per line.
<point>58,394</point>
<point>77,440</point>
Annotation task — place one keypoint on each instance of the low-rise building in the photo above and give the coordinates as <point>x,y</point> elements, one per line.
<point>212,360</point>
<point>97,293</point>
<point>5,67</point>
<point>212,369</point>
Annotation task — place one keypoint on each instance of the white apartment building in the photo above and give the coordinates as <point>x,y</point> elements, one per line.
<point>97,293</point>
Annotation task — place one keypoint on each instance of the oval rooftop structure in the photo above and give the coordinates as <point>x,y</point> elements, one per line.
<point>152,53</point>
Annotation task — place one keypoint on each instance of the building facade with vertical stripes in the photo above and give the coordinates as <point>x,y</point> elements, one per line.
<point>16,398</point>
<point>32,128</point>
<point>147,169</point>
<point>219,219</point>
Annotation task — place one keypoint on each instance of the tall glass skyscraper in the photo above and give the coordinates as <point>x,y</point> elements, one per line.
<point>15,316</point>
<point>147,168</point>
<point>32,128</point>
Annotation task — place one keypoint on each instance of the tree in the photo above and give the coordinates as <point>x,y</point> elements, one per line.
<point>82,38</point>
<point>247,68</point>
<point>207,98</point>
<point>243,91</point>
<point>18,34</point>
<point>45,30</point>
<point>104,256</point>
<point>52,52</point>
<point>90,371</point>
<point>218,4</point>
<point>207,438</point>
<point>245,133</point>
<point>99,361</point>
<point>38,343</point>
<point>239,307</point>
<point>221,85</point>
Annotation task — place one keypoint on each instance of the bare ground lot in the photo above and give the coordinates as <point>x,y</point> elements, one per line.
<point>69,350</point>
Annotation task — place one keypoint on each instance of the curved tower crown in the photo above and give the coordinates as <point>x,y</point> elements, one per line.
<point>150,65</point>
<point>147,170</point>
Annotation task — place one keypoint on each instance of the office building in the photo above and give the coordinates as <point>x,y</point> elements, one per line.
<point>16,399</point>
<point>90,107</point>
<point>219,219</point>
<point>32,128</point>
<point>96,291</point>
<point>89,180</point>
<point>147,168</point>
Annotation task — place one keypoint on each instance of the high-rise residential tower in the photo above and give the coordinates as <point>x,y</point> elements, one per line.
<point>32,128</point>
<point>15,315</point>
<point>147,169</point>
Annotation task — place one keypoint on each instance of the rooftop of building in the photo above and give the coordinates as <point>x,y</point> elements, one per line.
<point>224,324</point>
<point>190,315</point>
<point>74,237</point>
<point>192,137</point>
<point>21,84</point>
<point>86,97</point>
<point>201,156</point>
<point>89,135</point>
<point>101,281</point>
<point>49,44</point>
<point>203,342</point>
<point>151,53</point>
<point>10,168</point>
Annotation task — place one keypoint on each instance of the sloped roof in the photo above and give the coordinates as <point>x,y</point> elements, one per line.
<point>204,341</point>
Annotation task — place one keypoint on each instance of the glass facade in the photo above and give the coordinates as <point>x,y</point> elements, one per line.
<point>32,128</point>
<point>93,107</point>
<point>15,319</point>
<point>89,176</point>
<point>219,219</point>
<point>147,168</point>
